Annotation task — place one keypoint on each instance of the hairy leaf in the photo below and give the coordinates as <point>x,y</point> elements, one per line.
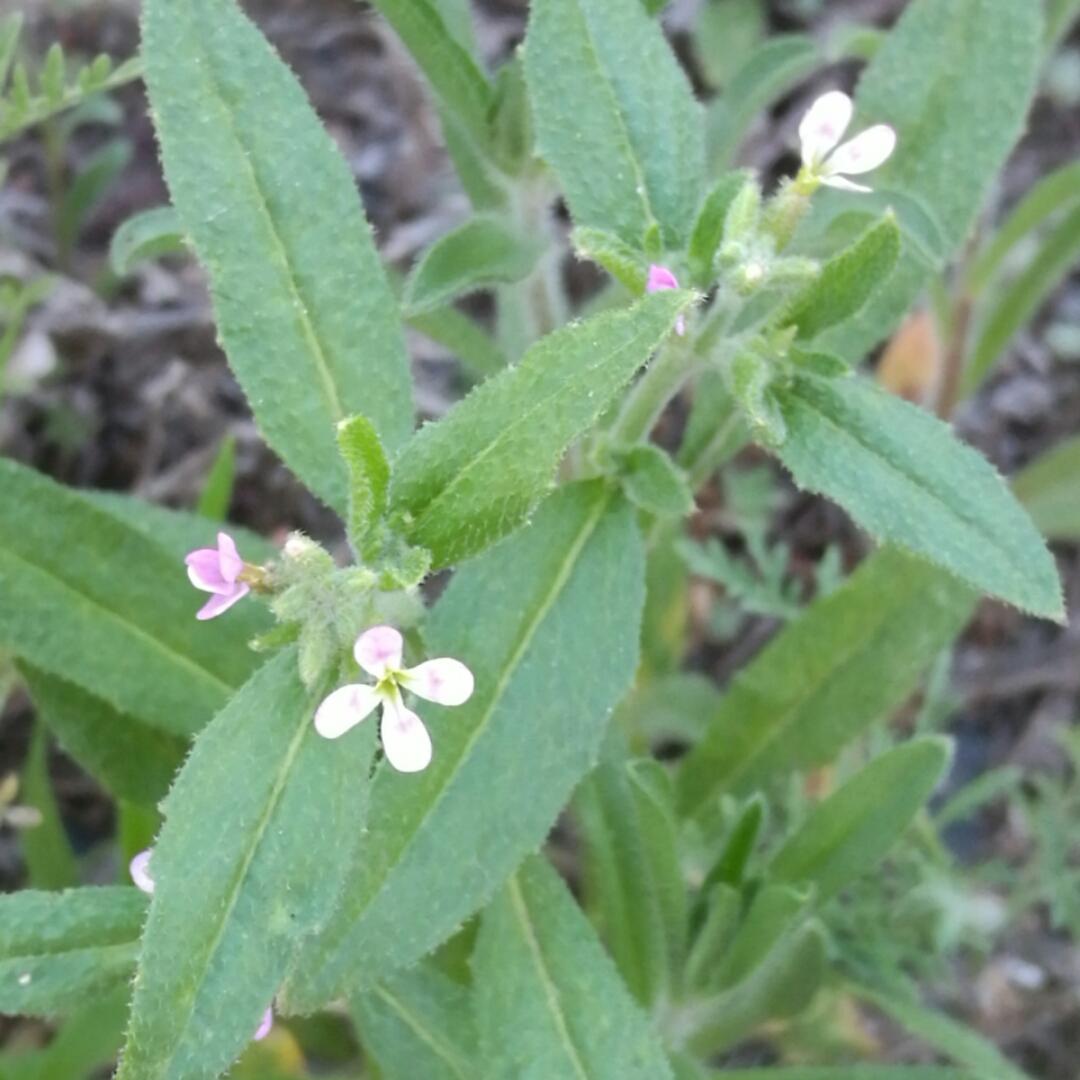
<point>847,661</point>
<point>303,307</point>
<point>539,607</point>
<point>549,1000</point>
<point>58,948</point>
<point>258,832</point>
<point>606,88</point>
<point>86,598</point>
<point>906,479</point>
<point>466,481</point>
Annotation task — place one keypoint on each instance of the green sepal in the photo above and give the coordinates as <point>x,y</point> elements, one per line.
<point>369,479</point>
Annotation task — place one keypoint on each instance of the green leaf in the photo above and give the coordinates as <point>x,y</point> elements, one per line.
<point>369,477</point>
<point>769,72</point>
<point>1050,196</point>
<point>303,307</point>
<point>1050,490</point>
<point>418,1023</point>
<point>470,343</point>
<point>851,658</point>
<point>654,483</point>
<point>905,478</point>
<point>782,985</point>
<point>725,32</point>
<point>847,280</point>
<point>258,832</point>
<point>10,31</point>
<point>607,63</point>
<point>131,759</point>
<point>958,1042</point>
<point>709,227</point>
<point>955,78</point>
<point>730,866</point>
<point>854,828</point>
<point>88,189</point>
<point>84,597</point>
<point>45,847</point>
<point>145,235</point>
<point>466,481</point>
<point>774,911</point>
<point>217,489</point>
<point>633,882</point>
<point>477,255</point>
<point>57,949</point>
<point>1018,301</point>
<point>847,1072</point>
<point>623,262</point>
<point>551,599</point>
<point>460,85</point>
<point>541,974</point>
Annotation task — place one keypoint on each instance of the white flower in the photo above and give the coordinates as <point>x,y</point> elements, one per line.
<point>823,127</point>
<point>139,868</point>
<point>405,740</point>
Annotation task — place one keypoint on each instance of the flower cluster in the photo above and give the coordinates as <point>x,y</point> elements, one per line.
<point>405,740</point>
<point>139,868</point>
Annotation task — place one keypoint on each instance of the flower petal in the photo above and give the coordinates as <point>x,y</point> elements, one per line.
<point>444,680</point>
<point>405,740</point>
<point>204,570</point>
<point>660,278</point>
<point>220,602</point>
<point>868,150</point>
<point>344,709</point>
<point>139,868</point>
<point>379,649</point>
<point>229,558</point>
<point>265,1024</point>
<point>844,185</point>
<point>824,125</point>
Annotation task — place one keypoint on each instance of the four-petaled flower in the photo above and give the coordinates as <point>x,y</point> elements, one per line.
<point>217,570</point>
<point>661,278</point>
<point>821,130</point>
<point>405,740</point>
<point>139,868</point>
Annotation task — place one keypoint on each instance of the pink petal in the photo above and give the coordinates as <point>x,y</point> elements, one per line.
<point>824,125</point>
<point>344,709</point>
<point>265,1024</point>
<point>378,650</point>
<point>868,150</point>
<point>229,558</point>
<point>660,278</point>
<point>204,571</point>
<point>445,681</point>
<point>219,603</point>
<point>405,740</point>
<point>844,185</point>
<point>139,868</point>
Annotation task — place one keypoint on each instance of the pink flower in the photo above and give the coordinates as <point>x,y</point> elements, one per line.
<point>139,868</point>
<point>661,278</point>
<point>405,740</point>
<point>217,570</point>
<point>265,1024</point>
<point>823,127</point>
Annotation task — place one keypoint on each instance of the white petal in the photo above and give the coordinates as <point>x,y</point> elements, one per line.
<point>378,649</point>
<point>868,150</point>
<point>445,681</point>
<point>344,709</point>
<point>844,185</point>
<point>139,868</point>
<point>265,1025</point>
<point>824,125</point>
<point>405,740</point>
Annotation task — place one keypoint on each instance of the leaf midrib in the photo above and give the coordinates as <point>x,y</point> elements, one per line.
<point>429,1038</point>
<point>133,628</point>
<point>551,991</point>
<point>559,580</point>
